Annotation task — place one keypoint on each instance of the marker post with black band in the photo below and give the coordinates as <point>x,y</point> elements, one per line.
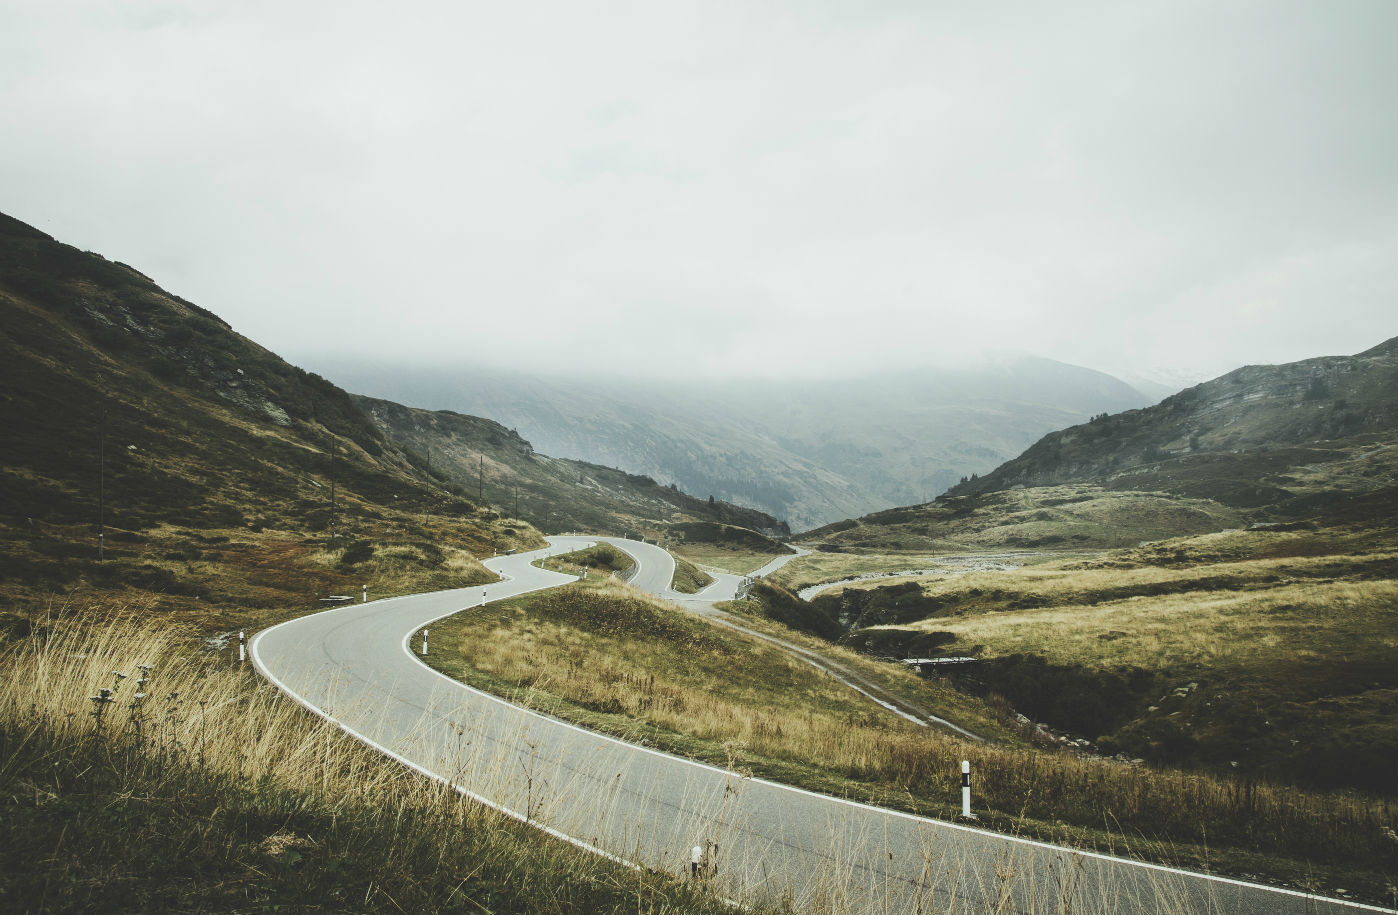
<point>966,813</point>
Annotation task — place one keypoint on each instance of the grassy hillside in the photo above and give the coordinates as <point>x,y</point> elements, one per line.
<point>1262,444</point>
<point>808,451</point>
<point>162,480</point>
<point>1266,653</point>
<point>614,659</point>
<point>1279,440</point>
<point>150,449</point>
<point>1076,516</point>
<point>504,471</point>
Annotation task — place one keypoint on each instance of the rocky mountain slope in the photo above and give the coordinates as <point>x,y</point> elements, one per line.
<point>1279,437</point>
<point>151,452</point>
<point>503,470</point>
<point>1263,444</point>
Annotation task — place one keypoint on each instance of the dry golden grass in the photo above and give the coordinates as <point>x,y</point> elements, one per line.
<point>200,787</point>
<point>736,560</point>
<point>821,567</point>
<point>609,671</point>
<point>1204,627</point>
<point>617,660</point>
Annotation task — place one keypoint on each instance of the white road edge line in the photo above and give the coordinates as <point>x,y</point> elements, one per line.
<point>1159,868</point>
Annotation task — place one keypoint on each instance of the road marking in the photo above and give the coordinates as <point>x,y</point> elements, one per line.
<point>922,820</point>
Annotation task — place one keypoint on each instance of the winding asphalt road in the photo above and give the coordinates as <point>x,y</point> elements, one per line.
<point>355,665</point>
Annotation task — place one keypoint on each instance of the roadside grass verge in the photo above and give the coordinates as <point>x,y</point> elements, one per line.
<point>603,558</point>
<point>214,793</point>
<point>689,578</point>
<point>613,659</point>
<point>723,546</point>
<point>737,560</point>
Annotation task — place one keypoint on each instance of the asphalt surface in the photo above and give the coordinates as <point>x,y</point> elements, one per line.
<point>355,665</point>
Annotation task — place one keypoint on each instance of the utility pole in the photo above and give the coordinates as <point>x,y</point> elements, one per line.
<point>516,502</point>
<point>480,486</point>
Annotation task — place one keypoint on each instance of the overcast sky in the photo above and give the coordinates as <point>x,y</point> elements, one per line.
<point>728,188</point>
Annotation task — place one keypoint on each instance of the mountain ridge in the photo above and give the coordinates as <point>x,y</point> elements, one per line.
<point>154,453</point>
<point>809,452</point>
<point>1258,445</point>
<point>1303,403</point>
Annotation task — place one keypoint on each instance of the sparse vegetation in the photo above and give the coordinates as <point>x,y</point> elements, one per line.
<point>197,468</point>
<point>1077,516</point>
<point>213,793</point>
<point>613,659</point>
<point>1286,666</point>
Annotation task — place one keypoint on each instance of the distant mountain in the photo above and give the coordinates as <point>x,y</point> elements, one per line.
<point>1255,438</point>
<point>1263,444</point>
<point>499,468</point>
<point>810,452</point>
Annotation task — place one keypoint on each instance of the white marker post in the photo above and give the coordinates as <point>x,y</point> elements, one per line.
<point>966,813</point>
<point>242,648</point>
<point>424,643</point>
<point>366,594</point>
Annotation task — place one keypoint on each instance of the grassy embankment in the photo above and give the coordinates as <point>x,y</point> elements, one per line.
<point>603,558</point>
<point>689,578</point>
<point>613,659</point>
<point>606,558</point>
<point>723,547</point>
<point>214,793</point>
